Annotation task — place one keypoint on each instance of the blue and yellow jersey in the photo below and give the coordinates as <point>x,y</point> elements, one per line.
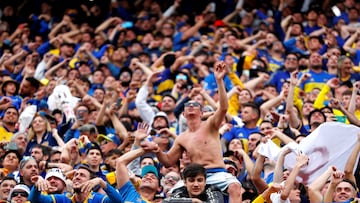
<point>317,80</point>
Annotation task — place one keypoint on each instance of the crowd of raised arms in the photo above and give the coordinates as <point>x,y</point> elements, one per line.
<point>179,101</point>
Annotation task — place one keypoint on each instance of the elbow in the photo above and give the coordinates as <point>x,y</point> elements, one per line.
<point>348,171</point>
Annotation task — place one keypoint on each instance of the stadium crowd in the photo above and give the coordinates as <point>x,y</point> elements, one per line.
<point>170,101</point>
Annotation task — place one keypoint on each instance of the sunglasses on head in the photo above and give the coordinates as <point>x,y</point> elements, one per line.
<point>194,104</point>
<point>21,193</point>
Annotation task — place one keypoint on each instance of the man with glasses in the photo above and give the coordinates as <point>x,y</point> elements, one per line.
<point>291,64</point>
<point>19,194</point>
<point>201,141</point>
<point>82,118</point>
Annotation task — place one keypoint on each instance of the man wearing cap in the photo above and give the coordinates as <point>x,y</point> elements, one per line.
<point>108,142</point>
<point>149,185</point>
<point>57,181</point>
<point>84,180</point>
<point>10,89</point>
<point>19,194</point>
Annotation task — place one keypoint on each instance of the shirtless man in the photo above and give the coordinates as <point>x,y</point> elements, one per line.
<point>201,141</point>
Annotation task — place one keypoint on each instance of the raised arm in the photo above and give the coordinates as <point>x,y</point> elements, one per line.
<point>336,177</point>
<point>216,120</point>
<point>352,103</point>
<point>119,127</point>
<point>314,189</point>
<point>349,167</point>
<point>258,182</point>
<point>122,175</point>
<point>348,44</point>
<point>278,171</point>
<point>293,117</point>
<point>351,117</point>
<point>301,161</point>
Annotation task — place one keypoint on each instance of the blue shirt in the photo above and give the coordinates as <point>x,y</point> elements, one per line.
<point>239,133</point>
<point>278,78</point>
<point>210,82</point>
<point>47,140</point>
<point>129,194</point>
<point>317,80</point>
<point>93,197</point>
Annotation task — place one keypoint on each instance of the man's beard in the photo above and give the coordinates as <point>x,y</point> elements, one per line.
<point>77,190</point>
<point>316,67</point>
<point>10,123</point>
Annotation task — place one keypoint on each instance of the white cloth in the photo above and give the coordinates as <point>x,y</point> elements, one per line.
<point>26,117</point>
<point>276,198</point>
<point>329,145</point>
<point>62,99</point>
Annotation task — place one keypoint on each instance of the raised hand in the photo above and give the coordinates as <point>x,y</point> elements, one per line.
<point>87,186</point>
<point>337,176</point>
<point>155,76</point>
<point>302,160</point>
<point>220,70</point>
<point>333,83</point>
<point>141,132</point>
<point>40,183</point>
<point>294,78</point>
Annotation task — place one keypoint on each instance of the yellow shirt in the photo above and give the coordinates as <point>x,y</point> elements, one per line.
<point>5,135</point>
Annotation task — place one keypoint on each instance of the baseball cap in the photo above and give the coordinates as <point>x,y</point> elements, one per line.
<point>132,106</point>
<point>55,172</point>
<point>17,188</point>
<point>149,169</point>
<point>109,137</point>
<point>162,114</point>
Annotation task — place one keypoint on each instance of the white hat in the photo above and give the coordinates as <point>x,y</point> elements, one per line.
<point>55,172</point>
<point>19,187</point>
<point>163,115</point>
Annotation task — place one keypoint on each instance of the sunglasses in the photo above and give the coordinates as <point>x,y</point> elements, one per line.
<point>22,194</point>
<point>174,178</point>
<point>194,104</point>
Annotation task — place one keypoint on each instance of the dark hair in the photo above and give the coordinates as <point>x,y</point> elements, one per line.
<point>96,147</point>
<point>168,60</point>
<point>11,107</point>
<point>351,183</point>
<point>44,149</point>
<point>114,152</point>
<point>34,82</point>
<point>326,107</point>
<point>314,111</point>
<point>253,106</point>
<point>85,80</point>
<point>169,95</point>
<point>8,178</point>
<point>16,152</point>
<point>192,170</point>
<point>86,167</point>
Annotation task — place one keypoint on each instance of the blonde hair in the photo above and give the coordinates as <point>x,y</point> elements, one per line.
<point>31,133</point>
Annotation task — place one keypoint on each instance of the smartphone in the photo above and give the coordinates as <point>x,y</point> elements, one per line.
<point>118,102</point>
<point>127,24</point>
<point>341,119</point>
